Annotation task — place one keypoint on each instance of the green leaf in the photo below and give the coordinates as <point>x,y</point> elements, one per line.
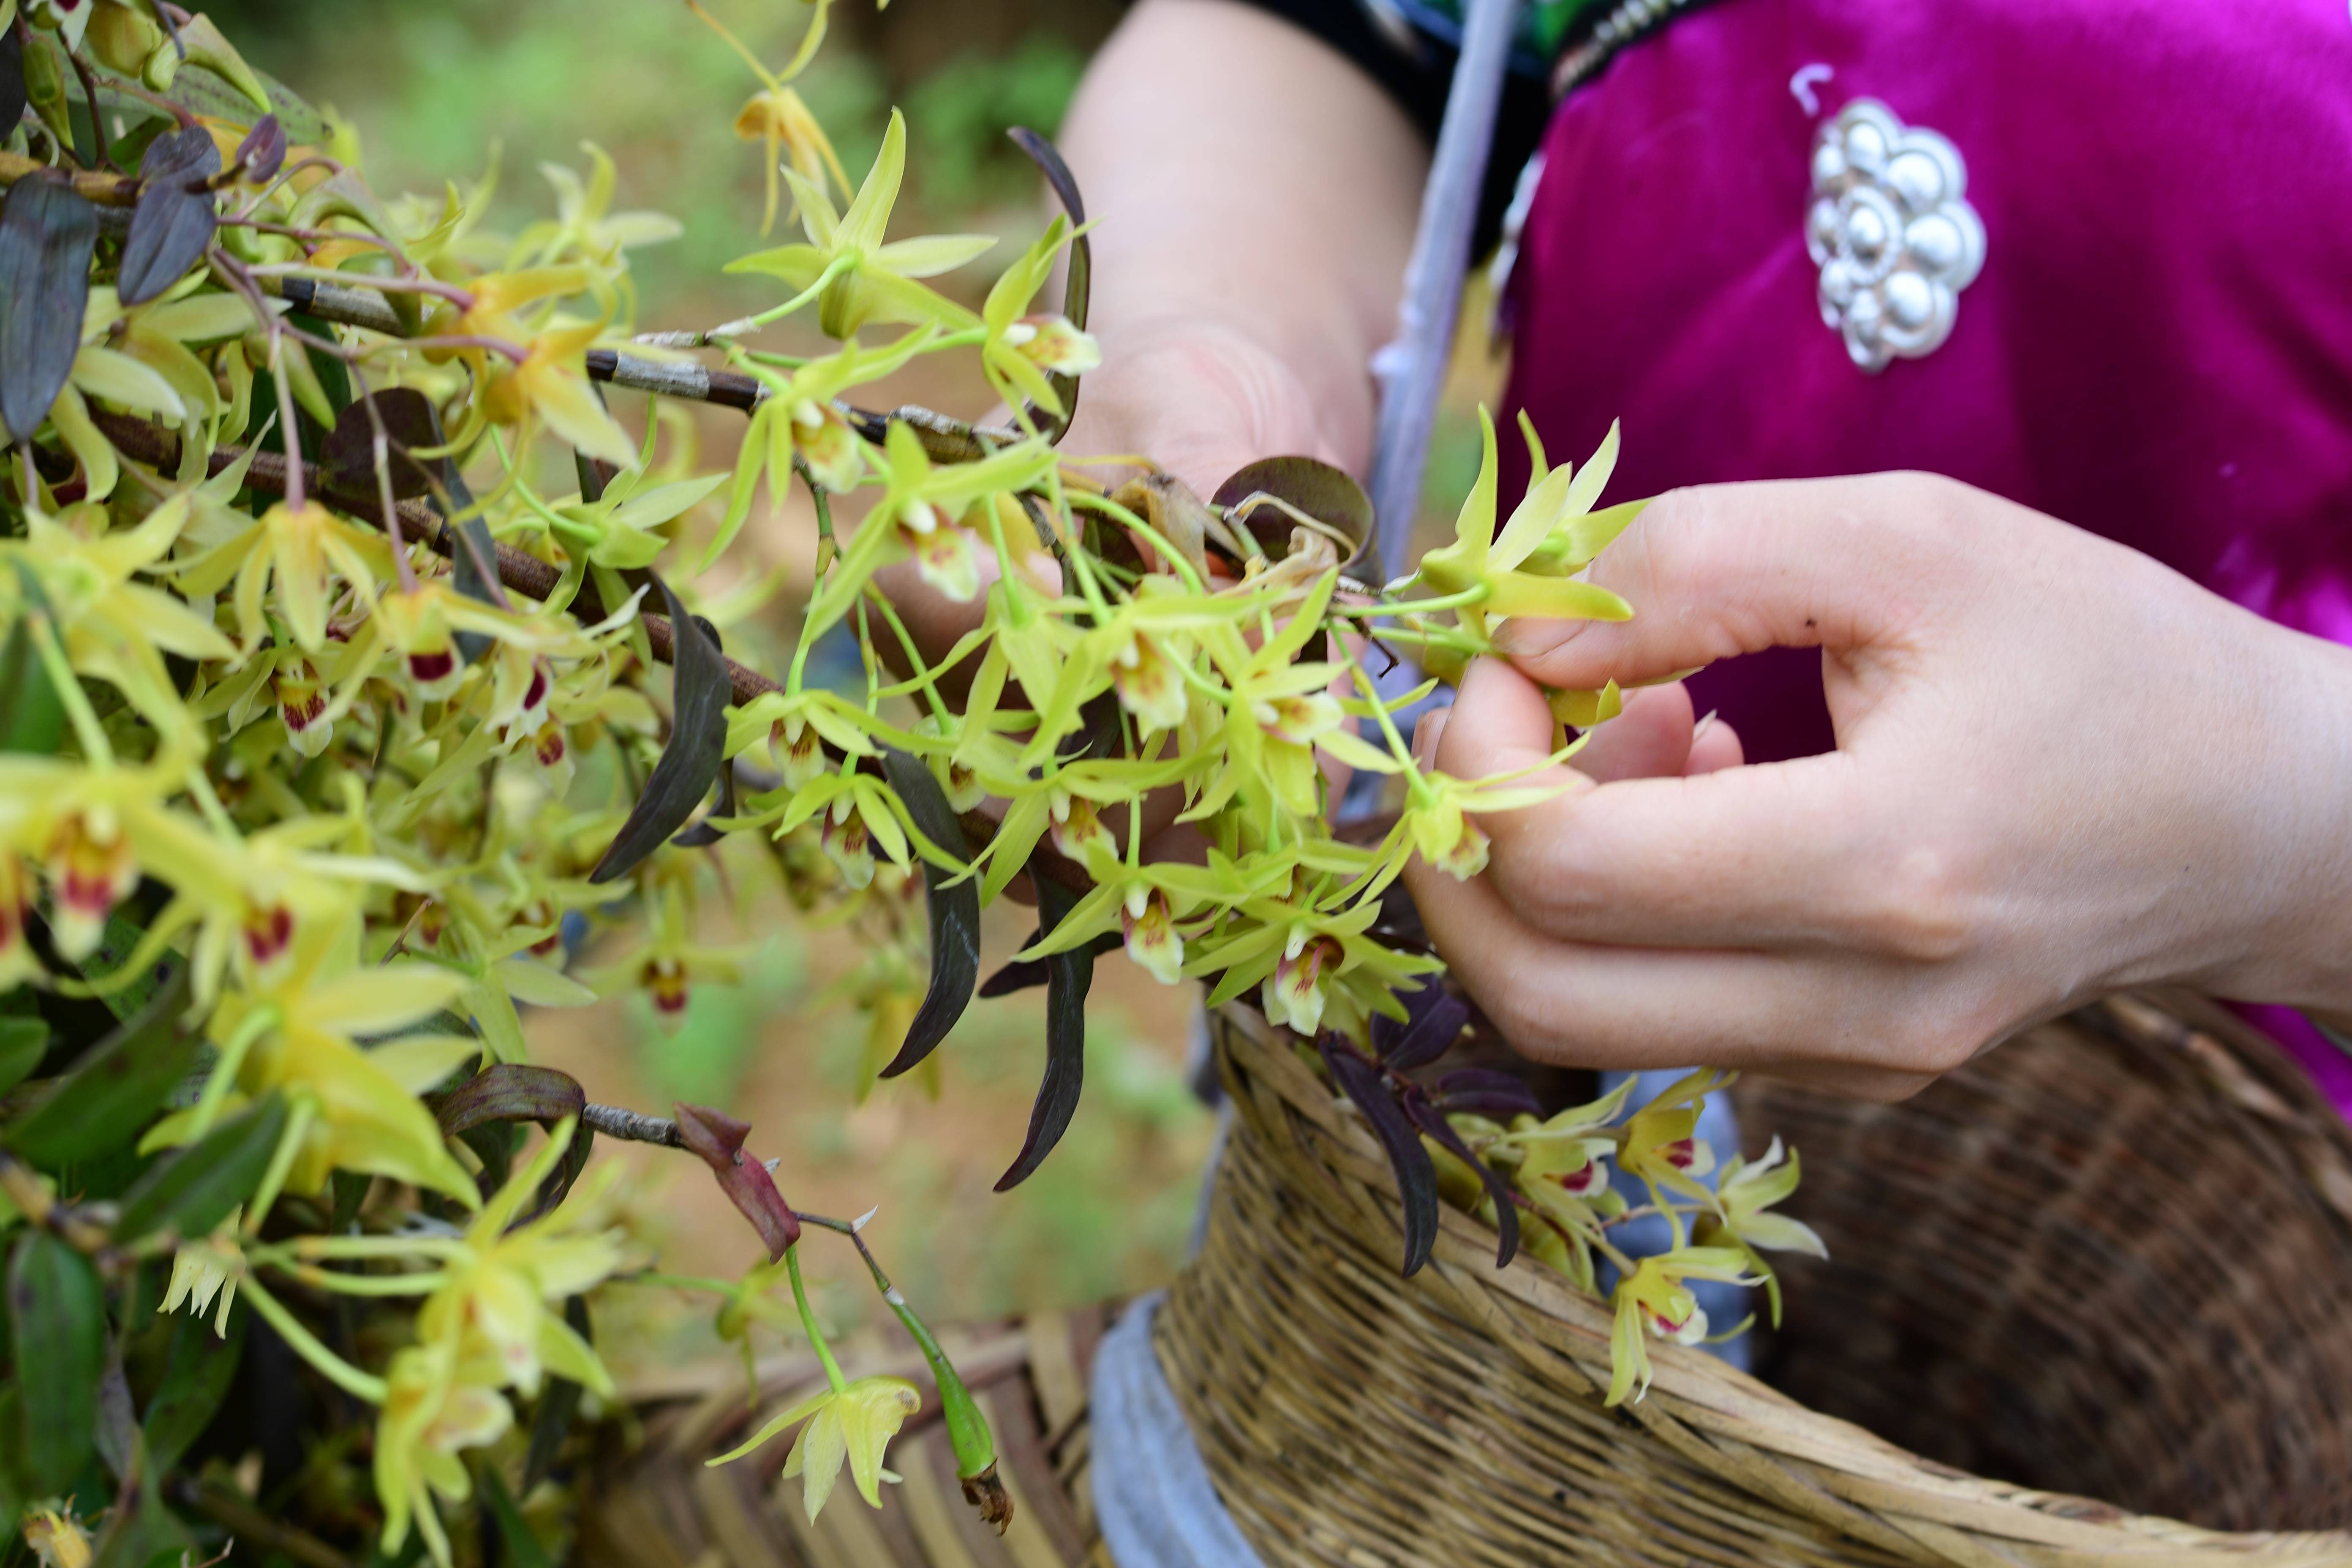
<point>56,1315</point>
<point>193,1189</point>
<point>47,235</point>
<point>523,1548</point>
<point>196,1378</point>
<point>140,1530</point>
<point>952,900</point>
<point>110,1093</point>
<point>697,743</point>
<point>31,718</point>
<point>210,94</point>
<point>23,1041</point>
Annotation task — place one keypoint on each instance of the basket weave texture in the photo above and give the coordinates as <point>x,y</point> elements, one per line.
<point>2112,1256</point>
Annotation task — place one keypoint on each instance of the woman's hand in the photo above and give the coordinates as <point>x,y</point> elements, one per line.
<point>1253,196</point>
<point>2061,769</point>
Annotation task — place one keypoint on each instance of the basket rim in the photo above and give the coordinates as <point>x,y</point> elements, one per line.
<point>1765,1441</point>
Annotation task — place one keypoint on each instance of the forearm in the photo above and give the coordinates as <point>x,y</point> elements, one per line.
<point>1252,186</point>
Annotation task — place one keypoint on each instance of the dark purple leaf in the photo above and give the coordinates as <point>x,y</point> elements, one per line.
<point>263,150</point>
<point>1488,1092</point>
<point>1434,1021</point>
<point>348,454</point>
<point>514,1091</point>
<point>1416,1176</point>
<point>1077,284</point>
<point>510,1091</point>
<point>1431,1121</point>
<point>173,221</point>
<point>718,1139</point>
<point>1024,973</point>
<point>707,832</point>
<point>1325,493</point>
<point>47,235</point>
<point>1068,976</point>
<point>12,93</point>
<point>698,743</point>
<point>954,908</point>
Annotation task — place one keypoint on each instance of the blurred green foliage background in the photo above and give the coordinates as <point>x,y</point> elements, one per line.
<point>432,85</point>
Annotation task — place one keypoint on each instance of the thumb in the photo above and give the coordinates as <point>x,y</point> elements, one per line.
<point>1723,570</point>
<point>1500,723</point>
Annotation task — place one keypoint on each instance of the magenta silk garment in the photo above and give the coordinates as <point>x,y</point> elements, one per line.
<point>2159,347</point>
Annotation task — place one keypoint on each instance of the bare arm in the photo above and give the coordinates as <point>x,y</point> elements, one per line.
<point>1257,195</point>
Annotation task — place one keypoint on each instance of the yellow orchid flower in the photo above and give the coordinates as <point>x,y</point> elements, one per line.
<point>854,1421</point>
<point>1654,1301</point>
<point>856,276</point>
<point>437,1401</point>
<point>56,1538</point>
<point>298,551</point>
<point>208,1270</point>
<point>777,118</point>
<point>93,830</point>
<point>1021,349</point>
<point>110,625</point>
<point>1746,1191</point>
<point>671,963</point>
<point>1552,532</point>
<point>585,219</point>
<point>500,1281</point>
<point>552,379</point>
<point>1660,1149</point>
<point>301,1030</point>
<point>922,514</point>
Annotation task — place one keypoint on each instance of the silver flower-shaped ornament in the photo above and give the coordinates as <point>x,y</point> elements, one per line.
<point>1892,233</point>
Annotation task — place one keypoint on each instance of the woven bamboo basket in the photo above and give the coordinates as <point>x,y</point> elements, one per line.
<point>2109,1264</point>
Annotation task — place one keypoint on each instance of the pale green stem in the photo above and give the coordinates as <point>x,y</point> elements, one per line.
<point>1126,518</point>
<point>200,790</point>
<point>304,1343</point>
<point>1476,593</point>
<point>833,270</point>
<point>926,678</point>
<point>304,1110</point>
<point>1422,794</point>
<point>808,1320</point>
<point>353,1246</point>
<point>226,1066</point>
<point>369,1284</point>
<point>87,732</point>
<point>569,529</point>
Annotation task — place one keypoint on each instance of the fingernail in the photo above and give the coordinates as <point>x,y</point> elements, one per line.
<point>1705,722</point>
<point>1425,736</point>
<point>1532,639</point>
